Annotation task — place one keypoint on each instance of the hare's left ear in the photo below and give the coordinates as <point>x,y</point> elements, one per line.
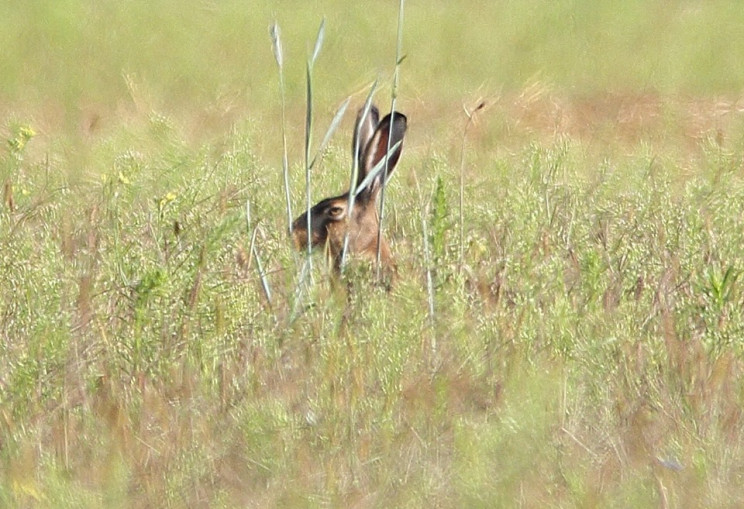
<point>363,131</point>
<point>389,132</point>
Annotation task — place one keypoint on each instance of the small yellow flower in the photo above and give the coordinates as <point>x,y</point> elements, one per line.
<point>165,200</point>
<point>123,179</point>
<point>21,135</point>
<point>26,132</point>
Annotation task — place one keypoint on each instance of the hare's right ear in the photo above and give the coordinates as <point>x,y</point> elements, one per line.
<point>363,130</point>
<point>388,133</point>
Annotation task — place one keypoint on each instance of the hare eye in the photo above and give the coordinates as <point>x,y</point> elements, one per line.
<point>335,211</point>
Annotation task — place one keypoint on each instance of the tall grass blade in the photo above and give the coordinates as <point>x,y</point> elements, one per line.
<point>318,42</point>
<point>254,252</point>
<point>398,57</point>
<point>309,130</point>
<point>355,168</point>
<point>393,97</point>
<point>300,290</point>
<point>308,134</point>
<point>427,263</point>
<point>380,166</point>
<point>276,44</point>
<point>461,218</point>
<point>259,268</point>
<point>331,129</point>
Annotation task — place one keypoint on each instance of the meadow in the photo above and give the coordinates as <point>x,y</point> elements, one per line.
<point>571,336</point>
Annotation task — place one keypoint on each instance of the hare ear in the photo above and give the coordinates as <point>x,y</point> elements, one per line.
<point>378,146</point>
<point>363,131</point>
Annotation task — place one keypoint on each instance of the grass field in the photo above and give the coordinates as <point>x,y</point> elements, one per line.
<point>581,345</point>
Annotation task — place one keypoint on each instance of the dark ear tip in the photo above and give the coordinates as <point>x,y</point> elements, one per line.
<point>398,118</point>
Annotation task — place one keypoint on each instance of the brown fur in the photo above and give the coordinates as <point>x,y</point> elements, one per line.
<point>329,218</point>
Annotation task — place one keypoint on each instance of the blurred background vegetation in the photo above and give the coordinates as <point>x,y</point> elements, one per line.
<point>73,65</point>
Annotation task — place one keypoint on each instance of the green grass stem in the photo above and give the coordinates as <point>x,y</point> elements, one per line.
<point>393,100</point>
<point>276,44</point>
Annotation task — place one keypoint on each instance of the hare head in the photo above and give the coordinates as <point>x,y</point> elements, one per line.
<point>330,219</point>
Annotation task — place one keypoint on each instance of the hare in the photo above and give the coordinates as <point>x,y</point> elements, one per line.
<point>330,220</point>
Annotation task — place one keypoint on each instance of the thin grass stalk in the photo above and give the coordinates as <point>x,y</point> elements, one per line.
<point>254,252</point>
<point>461,218</point>
<point>308,130</point>
<point>393,97</point>
<point>318,42</point>
<point>355,171</point>
<point>300,290</point>
<point>276,40</point>
<point>427,264</point>
<point>427,261</point>
<point>380,166</point>
<point>259,267</point>
<point>337,117</point>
